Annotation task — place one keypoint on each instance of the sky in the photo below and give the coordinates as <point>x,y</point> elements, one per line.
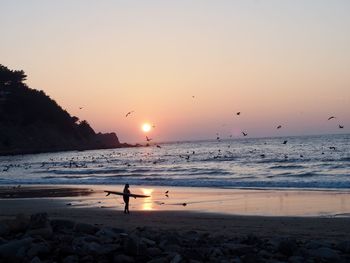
<point>277,62</point>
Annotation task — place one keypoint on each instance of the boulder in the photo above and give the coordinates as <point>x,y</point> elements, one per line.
<point>121,258</point>
<point>60,224</point>
<point>344,246</point>
<point>39,220</point>
<point>45,232</point>
<point>86,228</point>
<point>176,259</point>
<point>38,249</point>
<point>287,246</point>
<point>4,229</point>
<point>35,260</point>
<point>13,247</point>
<point>71,259</point>
<point>153,251</point>
<point>324,253</point>
<point>19,224</point>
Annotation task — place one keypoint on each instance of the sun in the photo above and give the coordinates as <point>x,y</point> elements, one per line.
<point>146,127</point>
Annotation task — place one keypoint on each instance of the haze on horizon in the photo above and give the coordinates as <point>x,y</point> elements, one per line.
<point>277,62</point>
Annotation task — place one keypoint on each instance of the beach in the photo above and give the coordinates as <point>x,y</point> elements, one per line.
<point>206,214</point>
<point>236,211</point>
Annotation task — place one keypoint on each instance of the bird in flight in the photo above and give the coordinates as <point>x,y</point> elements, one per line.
<point>244,134</point>
<point>238,113</point>
<point>279,127</point>
<point>193,96</point>
<point>148,139</point>
<point>332,117</point>
<point>126,115</point>
<point>80,108</point>
<point>341,126</point>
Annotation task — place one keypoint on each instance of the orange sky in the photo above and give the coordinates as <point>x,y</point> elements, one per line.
<point>278,62</point>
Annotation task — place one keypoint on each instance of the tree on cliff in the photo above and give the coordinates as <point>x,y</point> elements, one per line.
<point>30,121</point>
<point>8,76</point>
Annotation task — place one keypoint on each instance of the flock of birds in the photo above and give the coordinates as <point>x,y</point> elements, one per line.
<point>244,133</point>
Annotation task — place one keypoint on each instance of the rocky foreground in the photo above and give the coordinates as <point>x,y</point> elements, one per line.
<point>37,239</point>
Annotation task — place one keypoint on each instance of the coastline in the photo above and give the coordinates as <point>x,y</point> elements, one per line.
<point>175,234</point>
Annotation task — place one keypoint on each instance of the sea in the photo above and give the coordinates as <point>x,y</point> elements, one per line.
<point>304,162</point>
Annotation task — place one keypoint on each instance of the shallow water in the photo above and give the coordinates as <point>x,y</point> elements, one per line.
<point>303,163</point>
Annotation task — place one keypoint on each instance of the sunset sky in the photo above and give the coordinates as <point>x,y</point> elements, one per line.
<point>277,62</point>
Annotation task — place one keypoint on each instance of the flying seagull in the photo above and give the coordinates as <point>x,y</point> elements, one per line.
<point>279,127</point>
<point>148,139</point>
<point>80,108</point>
<point>341,126</point>
<point>332,117</point>
<point>126,115</point>
<point>238,113</point>
<point>244,134</point>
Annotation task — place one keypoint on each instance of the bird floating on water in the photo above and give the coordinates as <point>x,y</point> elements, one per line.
<point>285,142</point>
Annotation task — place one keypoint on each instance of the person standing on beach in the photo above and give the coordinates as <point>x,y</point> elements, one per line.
<point>126,197</point>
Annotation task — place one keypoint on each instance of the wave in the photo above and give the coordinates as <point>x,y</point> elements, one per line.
<point>287,167</point>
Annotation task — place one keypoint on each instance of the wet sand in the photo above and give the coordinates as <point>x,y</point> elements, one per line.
<point>316,214</point>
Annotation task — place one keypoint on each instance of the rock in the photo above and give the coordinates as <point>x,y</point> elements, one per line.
<point>324,253</point>
<point>176,259</point>
<point>45,232</point>
<point>296,259</point>
<point>344,246</point>
<point>130,245</point>
<point>85,228</point>
<point>153,251</point>
<point>4,229</point>
<point>123,259</point>
<point>109,233</point>
<point>71,259</point>
<point>19,224</point>
<point>148,242</point>
<point>60,224</point>
<point>12,248</point>
<point>35,260</point>
<point>313,244</point>
<point>287,246</point>
<point>237,249</point>
<point>159,260</point>
<point>39,220</point>
<point>215,252</point>
<point>250,258</point>
<point>38,249</point>
<point>87,245</point>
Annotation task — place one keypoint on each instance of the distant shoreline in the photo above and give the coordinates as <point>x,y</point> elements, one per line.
<point>79,149</point>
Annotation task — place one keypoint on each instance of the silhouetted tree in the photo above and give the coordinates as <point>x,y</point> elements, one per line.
<point>8,76</point>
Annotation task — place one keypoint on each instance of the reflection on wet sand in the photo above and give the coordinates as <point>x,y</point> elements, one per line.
<point>147,203</point>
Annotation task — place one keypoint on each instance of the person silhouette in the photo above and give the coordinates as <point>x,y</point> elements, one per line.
<point>126,197</point>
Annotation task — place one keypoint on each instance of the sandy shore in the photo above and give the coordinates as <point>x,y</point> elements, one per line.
<point>317,214</point>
